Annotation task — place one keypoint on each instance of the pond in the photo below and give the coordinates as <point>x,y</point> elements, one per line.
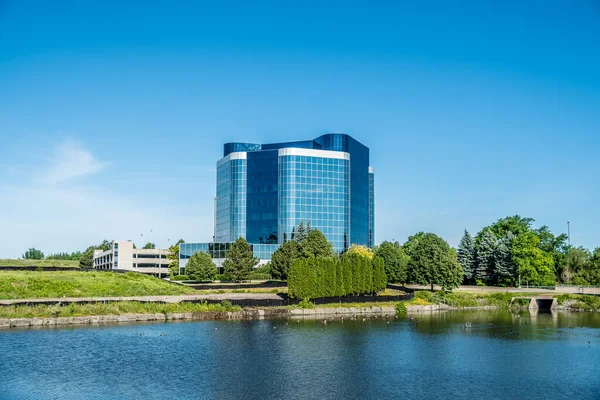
<point>437,355</point>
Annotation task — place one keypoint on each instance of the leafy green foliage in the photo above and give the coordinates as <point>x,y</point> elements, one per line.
<point>33,254</point>
<point>306,303</point>
<point>395,261</point>
<point>535,266</point>
<point>433,262</point>
<point>352,274</point>
<point>173,256</point>
<point>200,267</point>
<point>149,246</point>
<point>87,257</point>
<point>239,260</point>
<point>74,256</point>
<point>400,308</point>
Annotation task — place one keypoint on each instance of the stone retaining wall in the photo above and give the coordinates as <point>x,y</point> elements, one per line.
<point>201,316</point>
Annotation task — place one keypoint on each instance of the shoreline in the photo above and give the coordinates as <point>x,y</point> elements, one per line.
<point>245,314</point>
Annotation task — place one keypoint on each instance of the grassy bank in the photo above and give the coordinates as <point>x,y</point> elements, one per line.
<point>40,284</point>
<point>116,308</point>
<point>462,299</point>
<point>579,302</point>
<point>7,262</point>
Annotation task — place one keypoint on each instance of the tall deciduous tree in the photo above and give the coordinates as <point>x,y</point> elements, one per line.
<point>33,254</point>
<point>201,267</point>
<point>239,260</point>
<point>467,255</point>
<point>535,266</point>
<point>283,258</point>
<point>432,261</point>
<point>395,261</point>
<point>173,256</point>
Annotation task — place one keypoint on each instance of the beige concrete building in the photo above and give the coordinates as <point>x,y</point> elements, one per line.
<point>123,257</point>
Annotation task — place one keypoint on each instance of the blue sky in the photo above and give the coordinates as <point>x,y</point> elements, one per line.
<point>112,115</point>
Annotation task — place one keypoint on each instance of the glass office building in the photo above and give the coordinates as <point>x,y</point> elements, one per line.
<point>264,191</point>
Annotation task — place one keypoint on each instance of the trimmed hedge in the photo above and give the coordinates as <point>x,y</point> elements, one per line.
<point>352,274</point>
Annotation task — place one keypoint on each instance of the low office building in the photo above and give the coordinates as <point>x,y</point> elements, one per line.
<point>218,251</point>
<point>123,257</point>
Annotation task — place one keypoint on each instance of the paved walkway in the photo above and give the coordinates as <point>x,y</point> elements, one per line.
<point>495,289</point>
<point>153,299</point>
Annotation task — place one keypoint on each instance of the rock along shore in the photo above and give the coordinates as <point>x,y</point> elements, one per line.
<point>316,313</point>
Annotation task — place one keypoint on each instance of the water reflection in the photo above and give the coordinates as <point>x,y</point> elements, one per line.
<point>501,355</point>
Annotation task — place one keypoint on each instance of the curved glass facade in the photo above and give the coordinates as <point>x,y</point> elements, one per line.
<point>315,188</point>
<point>264,191</point>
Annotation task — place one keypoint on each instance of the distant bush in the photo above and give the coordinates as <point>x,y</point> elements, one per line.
<point>306,303</point>
<point>401,308</point>
<point>222,277</point>
<point>180,278</point>
<point>424,295</point>
<point>256,276</point>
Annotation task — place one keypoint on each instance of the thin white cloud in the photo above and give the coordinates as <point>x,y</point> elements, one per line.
<point>71,161</point>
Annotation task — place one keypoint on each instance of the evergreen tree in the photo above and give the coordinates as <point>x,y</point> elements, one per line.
<point>503,271</point>
<point>467,255</point>
<point>239,260</point>
<point>301,234</point>
<point>200,267</point>
<point>308,228</point>
<point>283,258</point>
<point>485,255</point>
<point>317,245</point>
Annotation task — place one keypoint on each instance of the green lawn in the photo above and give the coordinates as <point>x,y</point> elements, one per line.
<point>41,284</point>
<point>116,308</point>
<point>6,262</point>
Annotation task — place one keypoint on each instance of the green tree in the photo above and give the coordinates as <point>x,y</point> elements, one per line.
<point>317,245</point>
<point>86,261</point>
<point>33,254</point>
<point>515,224</point>
<point>379,275</point>
<point>105,245</point>
<point>173,256</point>
<point>535,266</point>
<point>591,273</point>
<point>575,266</point>
<point>239,260</point>
<point>200,267</point>
<point>467,256</point>
<point>149,245</point>
<point>412,241</point>
<point>485,255</point>
<point>432,261</point>
<point>282,259</point>
<point>503,270</point>
<point>301,233</point>
<point>395,261</point>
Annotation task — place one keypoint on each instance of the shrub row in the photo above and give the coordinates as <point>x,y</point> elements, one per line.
<point>352,274</point>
